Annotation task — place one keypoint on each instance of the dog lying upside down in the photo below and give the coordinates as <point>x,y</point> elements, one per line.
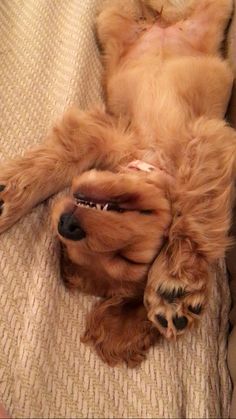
<point>153,175</point>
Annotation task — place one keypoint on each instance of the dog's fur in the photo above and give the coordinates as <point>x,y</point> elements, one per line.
<point>167,90</point>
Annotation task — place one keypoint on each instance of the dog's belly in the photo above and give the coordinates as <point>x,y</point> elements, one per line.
<point>149,90</point>
<point>165,79</point>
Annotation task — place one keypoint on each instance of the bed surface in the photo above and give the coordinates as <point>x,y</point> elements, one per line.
<point>49,60</point>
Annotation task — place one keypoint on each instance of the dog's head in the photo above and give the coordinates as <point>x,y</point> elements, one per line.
<point>113,225</point>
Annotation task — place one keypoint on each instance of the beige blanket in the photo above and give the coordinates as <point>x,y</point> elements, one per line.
<point>49,59</point>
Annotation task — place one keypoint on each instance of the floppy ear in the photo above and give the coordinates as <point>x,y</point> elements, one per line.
<point>119,330</point>
<point>201,203</point>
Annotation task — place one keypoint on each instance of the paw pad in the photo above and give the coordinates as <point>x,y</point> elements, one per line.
<point>162,320</point>
<point>180,322</point>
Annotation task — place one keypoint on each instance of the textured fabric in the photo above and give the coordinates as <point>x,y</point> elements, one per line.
<point>49,59</point>
<point>231,256</point>
<point>231,266</point>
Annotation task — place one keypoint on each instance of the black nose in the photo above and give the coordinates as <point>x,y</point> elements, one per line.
<point>69,227</point>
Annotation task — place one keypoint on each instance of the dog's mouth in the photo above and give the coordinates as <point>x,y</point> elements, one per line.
<point>87,202</point>
<point>100,205</point>
<point>108,206</point>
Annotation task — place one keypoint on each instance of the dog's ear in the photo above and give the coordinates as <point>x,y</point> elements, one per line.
<point>201,200</point>
<point>198,235</point>
<point>119,330</point>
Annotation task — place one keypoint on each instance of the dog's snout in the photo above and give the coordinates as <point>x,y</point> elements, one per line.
<point>69,227</point>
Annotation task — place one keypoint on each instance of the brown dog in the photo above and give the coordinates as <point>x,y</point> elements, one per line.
<point>151,211</point>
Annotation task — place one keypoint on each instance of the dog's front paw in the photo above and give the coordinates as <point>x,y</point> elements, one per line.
<point>174,309</point>
<point>15,195</point>
<point>175,304</point>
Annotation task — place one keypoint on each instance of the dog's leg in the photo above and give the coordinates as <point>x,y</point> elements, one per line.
<point>79,141</point>
<point>119,25</point>
<point>179,281</point>
<point>206,26</point>
<point>120,331</point>
<point>171,11</point>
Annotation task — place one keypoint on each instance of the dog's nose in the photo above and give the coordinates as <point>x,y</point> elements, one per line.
<point>68,227</point>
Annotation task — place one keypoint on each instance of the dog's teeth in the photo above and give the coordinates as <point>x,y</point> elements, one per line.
<point>87,204</point>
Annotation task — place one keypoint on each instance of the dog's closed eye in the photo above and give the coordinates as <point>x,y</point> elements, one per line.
<point>131,261</point>
<point>147,212</point>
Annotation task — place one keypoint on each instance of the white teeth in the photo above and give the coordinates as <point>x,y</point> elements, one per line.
<point>101,207</point>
